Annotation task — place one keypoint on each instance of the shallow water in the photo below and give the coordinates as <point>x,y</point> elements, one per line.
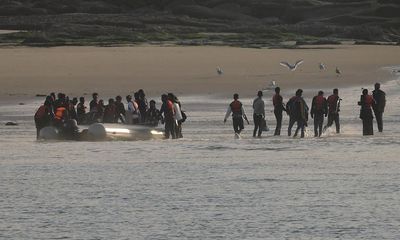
<point>207,185</point>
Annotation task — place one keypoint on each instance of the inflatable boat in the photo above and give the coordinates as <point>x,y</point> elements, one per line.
<point>101,132</point>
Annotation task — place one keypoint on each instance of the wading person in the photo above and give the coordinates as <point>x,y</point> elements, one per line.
<point>333,110</point>
<point>277,100</point>
<point>236,109</point>
<point>366,102</point>
<point>259,114</point>
<point>319,110</point>
<point>298,112</point>
<point>379,106</point>
<point>44,116</point>
<point>168,110</point>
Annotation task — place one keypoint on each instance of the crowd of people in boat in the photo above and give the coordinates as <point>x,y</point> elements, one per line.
<point>66,114</point>
<point>298,112</point>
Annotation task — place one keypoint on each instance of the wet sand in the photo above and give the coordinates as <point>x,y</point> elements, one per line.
<point>185,70</point>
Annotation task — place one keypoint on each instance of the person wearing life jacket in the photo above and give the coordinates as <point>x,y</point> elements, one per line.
<point>61,115</point>
<point>153,115</point>
<point>298,112</point>
<point>236,109</point>
<point>333,111</point>
<point>81,111</point>
<point>120,109</point>
<point>44,115</point>
<point>379,107</point>
<point>258,114</point>
<point>279,107</point>
<point>168,110</point>
<point>367,102</point>
<point>110,112</point>
<point>178,114</point>
<point>319,110</point>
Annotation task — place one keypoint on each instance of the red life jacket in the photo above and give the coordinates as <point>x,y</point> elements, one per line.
<point>60,113</point>
<point>319,102</point>
<point>369,101</point>
<point>236,107</point>
<point>332,103</point>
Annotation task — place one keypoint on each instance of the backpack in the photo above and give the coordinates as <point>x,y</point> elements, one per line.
<point>184,117</point>
<point>40,113</point>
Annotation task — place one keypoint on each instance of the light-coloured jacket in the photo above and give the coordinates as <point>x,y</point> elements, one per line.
<point>259,106</point>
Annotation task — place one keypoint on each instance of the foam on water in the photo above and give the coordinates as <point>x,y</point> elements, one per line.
<point>207,185</point>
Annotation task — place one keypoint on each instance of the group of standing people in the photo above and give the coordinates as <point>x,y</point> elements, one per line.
<point>375,103</point>
<point>65,114</point>
<point>298,112</point>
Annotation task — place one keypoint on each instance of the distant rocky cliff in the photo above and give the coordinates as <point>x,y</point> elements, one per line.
<point>226,22</point>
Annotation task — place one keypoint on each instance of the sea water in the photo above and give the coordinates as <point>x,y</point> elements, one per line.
<point>207,185</point>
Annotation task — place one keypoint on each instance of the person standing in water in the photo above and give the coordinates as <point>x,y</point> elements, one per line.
<point>236,109</point>
<point>168,109</point>
<point>44,116</point>
<point>81,111</point>
<point>367,102</point>
<point>259,114</point>
<point>379,107</point>
<point>333,110</point>
<point>277,100</point>
<point>298,113</point>
<point>319,109</point>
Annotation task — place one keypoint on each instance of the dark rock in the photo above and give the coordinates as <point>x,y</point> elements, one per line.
<point>11,124</point>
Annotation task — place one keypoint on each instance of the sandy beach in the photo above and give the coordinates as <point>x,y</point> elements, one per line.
<point>186,70</point>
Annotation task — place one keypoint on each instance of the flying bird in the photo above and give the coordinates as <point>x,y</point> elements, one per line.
<point>220,71</point>
<point>338,72</point>
<point>322,66</point>
<point>290,66</point>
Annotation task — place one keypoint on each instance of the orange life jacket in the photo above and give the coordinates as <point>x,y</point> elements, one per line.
<point>60,113</point>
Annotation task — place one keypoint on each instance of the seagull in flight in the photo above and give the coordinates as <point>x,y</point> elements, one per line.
<point>338,72</point>
<point>290,66</point>
<point>220,71</point>
<point>322,66</point>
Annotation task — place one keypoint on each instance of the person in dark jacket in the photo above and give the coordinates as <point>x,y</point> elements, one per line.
<point>298,111</point>
<point>142,104</point>
<point>110,112</point>
<point>120,109</point>
<point>153,116</point>
<point>279,107</point>
<point>44,116</point>
<point>81,111</point>
<point>367,102</point>
<point>319,110</point>
<point>379,107</point>
<point>333,110</point>
<point>258,114</point>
